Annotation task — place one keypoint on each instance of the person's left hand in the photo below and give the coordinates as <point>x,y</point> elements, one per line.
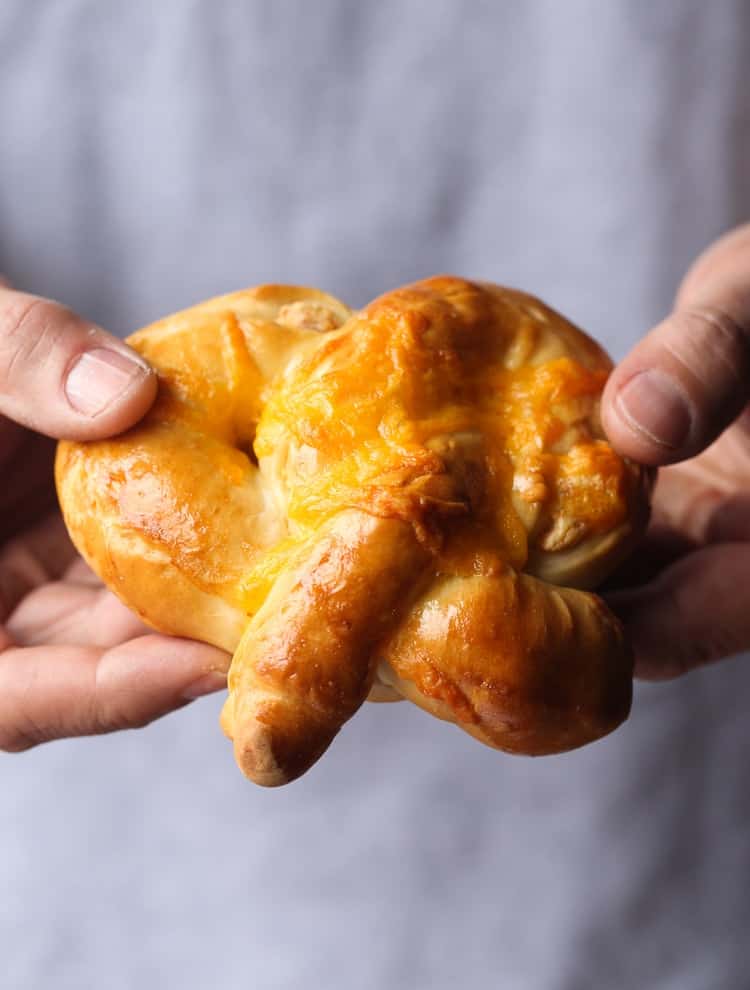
<point>687,595</point>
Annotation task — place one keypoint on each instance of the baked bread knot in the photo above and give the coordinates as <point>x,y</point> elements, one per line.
<point>403,501</point>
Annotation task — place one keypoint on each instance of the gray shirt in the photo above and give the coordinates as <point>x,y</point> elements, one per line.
<point>155,154</point>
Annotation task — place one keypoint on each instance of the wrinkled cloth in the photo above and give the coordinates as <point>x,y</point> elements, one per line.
<point>152,155</point>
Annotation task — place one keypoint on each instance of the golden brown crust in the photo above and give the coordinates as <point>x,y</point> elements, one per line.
<point>522,666</point>
<point>379,502</point>
<point>305,663</point>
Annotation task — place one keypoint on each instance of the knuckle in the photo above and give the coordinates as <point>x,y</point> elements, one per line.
<point>710,334</point>
<point>722,327</point>
<point>29,330</point>
<point>111,710</point>
<point>117,716</point>
<point>14,740</point>
<point>23,316</point>
<point>20,725</point>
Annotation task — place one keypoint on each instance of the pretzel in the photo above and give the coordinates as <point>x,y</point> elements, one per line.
<point>404,501</point>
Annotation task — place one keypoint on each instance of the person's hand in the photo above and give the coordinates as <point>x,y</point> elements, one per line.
<point>73,659</point>
<point>687,600</point>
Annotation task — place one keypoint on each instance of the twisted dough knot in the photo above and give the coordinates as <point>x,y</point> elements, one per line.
<point>393,502</point>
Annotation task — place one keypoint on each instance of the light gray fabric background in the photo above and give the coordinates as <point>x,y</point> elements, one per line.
<point>152,154</point>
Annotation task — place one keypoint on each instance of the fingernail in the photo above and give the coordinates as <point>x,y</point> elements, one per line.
<point>655,406</point>
<point>99,377</point>
<point>208,684</point>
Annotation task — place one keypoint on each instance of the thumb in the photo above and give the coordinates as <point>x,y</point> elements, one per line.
<point>685,382</point>
<point>61,376</point>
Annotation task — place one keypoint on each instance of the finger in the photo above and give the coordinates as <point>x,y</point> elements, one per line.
<point>42,554</point>
<point>694,613</point>
<point>79,572</point>
<point>62,376</point>
<point>694,504</point>
<point>684,383</point>
<point>51,693</point>
<point>73,615</point>
<point>661,548</point>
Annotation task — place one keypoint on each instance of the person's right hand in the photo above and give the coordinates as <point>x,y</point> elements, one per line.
<point>73,659</point>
